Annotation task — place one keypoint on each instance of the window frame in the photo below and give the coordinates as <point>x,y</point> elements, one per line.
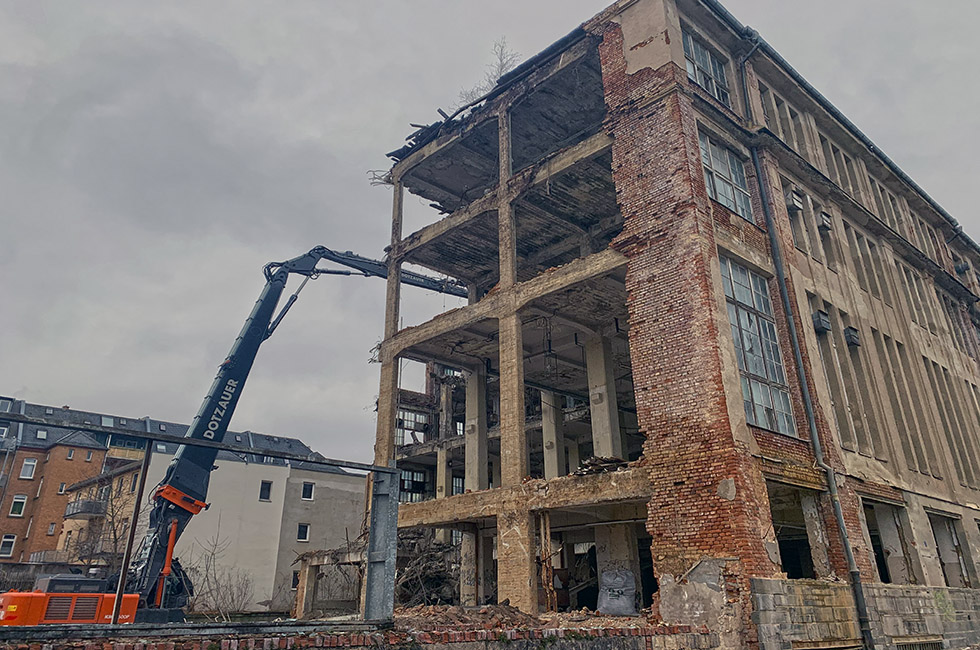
<point>62,487</point>
<point>733,178</point>
<point>8,539</point>
<point>70,454</point>
<point>299,529</point>
<point>18,499</point>
<point>88,456</point>
<point>407,420</point>
<point>773,376</point>
<point>312,496</point>
<point>268,497</point>
<point>706,73</point>
<point>32,462</point>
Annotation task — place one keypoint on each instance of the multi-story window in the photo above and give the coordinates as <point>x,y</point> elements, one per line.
<point>7,545</point>
<point>764,390</point>
<point>724,177</point>
<point>706,69</point>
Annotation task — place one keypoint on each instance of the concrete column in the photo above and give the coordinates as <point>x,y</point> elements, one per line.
<point>393,292</point>
<point>516,567</point>
<point>513,436</point>
<point>446,427</point>
<point>468,569</point>
<point>475,431</point>
<point>616,550</point>
<point>444,488</point>
<point>305,589</point>
<point>507,231</point>
<point>485,569</point>
<point>384,442</point>
<point>815,533</point>
<point>571,450</point>
<point>553,434</point>
<point>606,437</point>
<point>384,445</point>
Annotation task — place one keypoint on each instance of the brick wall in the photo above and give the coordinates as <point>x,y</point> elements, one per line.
<point>691,450</point>
<point>630,638</point>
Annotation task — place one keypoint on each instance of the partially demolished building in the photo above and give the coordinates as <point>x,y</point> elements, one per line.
<point>715,338</point>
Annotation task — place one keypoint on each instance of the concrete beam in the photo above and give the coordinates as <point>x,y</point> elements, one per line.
<point>505,300</point>
<point>434,231</point>
<point>538,494</point>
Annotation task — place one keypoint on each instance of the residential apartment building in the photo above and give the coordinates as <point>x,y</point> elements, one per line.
<point>685,261</point>
<point>264,512</point>
<point>34,475</point>
<point>68,497</point>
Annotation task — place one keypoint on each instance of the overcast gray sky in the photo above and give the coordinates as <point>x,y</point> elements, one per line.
<point>153,156</point>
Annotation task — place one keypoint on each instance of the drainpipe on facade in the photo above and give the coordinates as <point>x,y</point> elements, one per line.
<point>857,587</point>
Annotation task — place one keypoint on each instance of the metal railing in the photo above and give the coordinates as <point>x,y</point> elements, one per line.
<point>85,509</point>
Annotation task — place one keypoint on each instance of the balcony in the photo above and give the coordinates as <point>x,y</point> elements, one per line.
<point>85,509</point>
<point>51,556</point>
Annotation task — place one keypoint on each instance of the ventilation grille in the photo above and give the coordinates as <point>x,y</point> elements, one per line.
<point>920,645</point>
<point>58,608</point>
<point>86,607</point>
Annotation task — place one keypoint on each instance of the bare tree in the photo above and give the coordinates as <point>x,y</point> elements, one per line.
<point>503,61</point>
<point>219,590</point>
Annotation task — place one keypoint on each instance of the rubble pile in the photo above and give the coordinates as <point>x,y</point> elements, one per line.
<point>585,618</point>
<point>599,465</point>
<point>428,571</point>
<point>446,617</point>
<point>439,618</point>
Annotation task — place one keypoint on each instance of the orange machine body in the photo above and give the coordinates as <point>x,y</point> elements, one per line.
<point>39,608</point>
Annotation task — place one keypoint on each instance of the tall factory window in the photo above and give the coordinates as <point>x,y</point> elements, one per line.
<point>724,177</point>
<point>706,69</point>
<point>764,389</point>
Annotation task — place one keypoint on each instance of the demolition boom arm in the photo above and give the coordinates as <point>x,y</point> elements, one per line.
<point>183,491</point>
